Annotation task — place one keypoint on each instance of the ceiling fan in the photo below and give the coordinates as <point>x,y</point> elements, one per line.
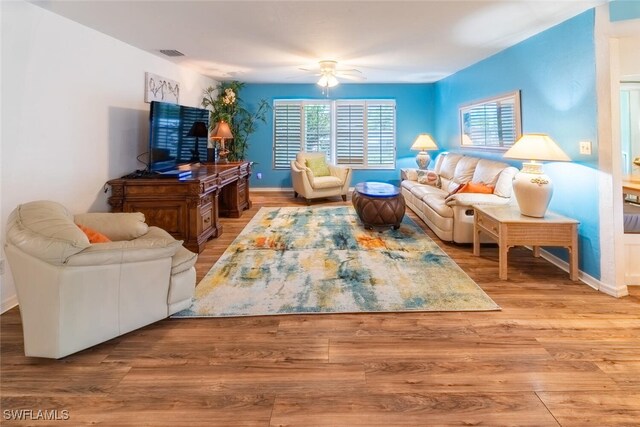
<point>329,73</point>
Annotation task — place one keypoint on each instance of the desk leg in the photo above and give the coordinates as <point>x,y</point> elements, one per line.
<point>503,251</point>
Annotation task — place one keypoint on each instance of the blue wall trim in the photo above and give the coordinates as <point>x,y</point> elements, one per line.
<point>414,115</point>
<point>555,73</point>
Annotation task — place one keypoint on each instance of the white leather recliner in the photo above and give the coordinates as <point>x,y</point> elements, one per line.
<point>310,187</point>
<point>74,294</point>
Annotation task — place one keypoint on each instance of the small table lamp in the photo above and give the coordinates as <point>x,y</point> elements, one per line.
<point>198,130</point>
<point>423,143</point>
<point>222,132</point>
<point>532,187</point>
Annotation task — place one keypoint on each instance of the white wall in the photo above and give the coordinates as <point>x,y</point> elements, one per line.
<point>630,58</point>
<point>73,111</point>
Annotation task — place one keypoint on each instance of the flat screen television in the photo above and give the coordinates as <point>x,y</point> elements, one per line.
<point>172,135</point>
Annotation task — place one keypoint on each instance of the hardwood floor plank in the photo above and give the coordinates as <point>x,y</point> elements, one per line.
<point>411,409</point>
<point>498,376</point>
<point>594,408</point>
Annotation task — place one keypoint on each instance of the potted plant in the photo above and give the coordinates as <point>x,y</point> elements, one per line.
<point>226,105</point>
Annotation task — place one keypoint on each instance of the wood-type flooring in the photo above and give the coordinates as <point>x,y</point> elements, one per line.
<point>559,353</point>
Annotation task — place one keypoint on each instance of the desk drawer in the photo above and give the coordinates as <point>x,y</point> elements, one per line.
<point>206,219</point>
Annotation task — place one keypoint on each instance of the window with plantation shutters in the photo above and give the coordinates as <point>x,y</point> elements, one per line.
<point>492,123</point>
<point>287,129</point>
<point>381,135</point>
<point>355,133</point>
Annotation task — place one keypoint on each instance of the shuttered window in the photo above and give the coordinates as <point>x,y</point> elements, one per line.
<point>492,123</point>
<point>355,133</point>
<point>287,129</point>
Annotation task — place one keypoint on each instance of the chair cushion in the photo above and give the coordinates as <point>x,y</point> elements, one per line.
<point>318,166</point>
<point>320,182</point>
<point>183,260</point>
<point>116,226</point>
<point>45,230</point>
<point>93,235</point>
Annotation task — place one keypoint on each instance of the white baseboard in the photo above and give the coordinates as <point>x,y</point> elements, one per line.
<point>270,189</point>
<point>586,278</point>
<point>8,303</point>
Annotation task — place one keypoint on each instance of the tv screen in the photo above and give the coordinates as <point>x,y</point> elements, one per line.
<point>173,132</point>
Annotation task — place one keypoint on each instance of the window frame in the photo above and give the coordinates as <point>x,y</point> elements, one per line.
<point>517,117</point>
<point>333,104</point>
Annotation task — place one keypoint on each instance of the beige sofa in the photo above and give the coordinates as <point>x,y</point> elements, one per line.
<point>310,187</point>
<point>74,294</point>
<point>451,218</point>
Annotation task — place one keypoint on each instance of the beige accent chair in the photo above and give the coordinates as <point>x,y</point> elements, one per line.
<point>314,187</point>
<point>74,294</point>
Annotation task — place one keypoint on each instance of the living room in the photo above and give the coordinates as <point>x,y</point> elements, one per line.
<point>74,118</point>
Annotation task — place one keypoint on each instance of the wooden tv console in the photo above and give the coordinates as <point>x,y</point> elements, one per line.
<point>188,208</point>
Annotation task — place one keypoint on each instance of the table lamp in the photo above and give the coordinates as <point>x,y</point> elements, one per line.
<point>198,130</point>
<point>423,143</point>
<point>532,187</point>
<point>222,132</point>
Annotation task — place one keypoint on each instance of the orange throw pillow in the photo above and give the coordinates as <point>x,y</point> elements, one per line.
<point>476,187</point>
<point>93,235</point>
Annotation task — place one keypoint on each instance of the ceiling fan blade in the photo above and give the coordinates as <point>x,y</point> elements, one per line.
<point>349,71</point>
<point>350,77</point>
<point>309,70</point>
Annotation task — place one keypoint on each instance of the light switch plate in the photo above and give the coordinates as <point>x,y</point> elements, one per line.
<point>585,147</point>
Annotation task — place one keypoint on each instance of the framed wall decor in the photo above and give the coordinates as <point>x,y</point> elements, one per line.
<point>492,123</point>
<point>158,88</point>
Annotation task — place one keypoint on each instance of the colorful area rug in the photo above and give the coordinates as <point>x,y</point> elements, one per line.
<point>322,260</point>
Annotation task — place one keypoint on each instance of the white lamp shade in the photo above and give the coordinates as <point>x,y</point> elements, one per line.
<point>424,142</point>
<point>536,146</point>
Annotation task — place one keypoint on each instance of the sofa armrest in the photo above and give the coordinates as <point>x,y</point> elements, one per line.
<point>125,251</point>
<point>468,199</point>
<point>409,174</point>
<point>116,226</point>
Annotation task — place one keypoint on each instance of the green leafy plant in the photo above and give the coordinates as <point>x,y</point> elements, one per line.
<point>225,104</point>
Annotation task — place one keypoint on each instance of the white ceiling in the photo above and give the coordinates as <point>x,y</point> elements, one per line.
<point>267,41</point>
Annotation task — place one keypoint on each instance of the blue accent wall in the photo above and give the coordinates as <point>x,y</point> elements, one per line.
<point>621,10</point>
<point>414,115</point>
<point>555,72</point>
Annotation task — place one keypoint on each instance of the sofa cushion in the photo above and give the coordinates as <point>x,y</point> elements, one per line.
<point>448,166</point>
<point>465,169</point>
<point>436,201</point>
<point>504,184</point>
<point>476,187</point>
<point>487,171</point>
<point>45,230</point>
<point>421,190</point>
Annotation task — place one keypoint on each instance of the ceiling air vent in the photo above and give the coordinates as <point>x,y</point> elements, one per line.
<point>171,52</point>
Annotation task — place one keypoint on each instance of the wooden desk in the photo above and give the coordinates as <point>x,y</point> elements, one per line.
<point>631,185</point>
<point>509,228</point>
<point>188,209</point>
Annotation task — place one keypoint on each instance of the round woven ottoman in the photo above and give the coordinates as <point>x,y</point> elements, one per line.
<point>378,204</point>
